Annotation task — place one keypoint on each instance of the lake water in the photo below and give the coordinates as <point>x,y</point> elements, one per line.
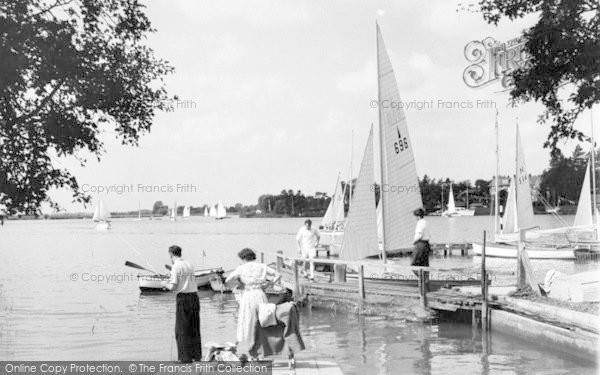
<point>54,304</point>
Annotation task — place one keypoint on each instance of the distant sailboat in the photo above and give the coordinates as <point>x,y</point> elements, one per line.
<point>139,218</point>
<point>212,212</point>
<point>186,211</point>
<point>221,212</point>
<point>456,211</point>
<point>205,211</point>
<point>174,212</point>
<point>101,216</point>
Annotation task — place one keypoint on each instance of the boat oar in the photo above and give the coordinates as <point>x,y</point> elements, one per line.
<point>133,265</point>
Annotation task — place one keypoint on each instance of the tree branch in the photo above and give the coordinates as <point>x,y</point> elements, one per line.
<point>40,106</point>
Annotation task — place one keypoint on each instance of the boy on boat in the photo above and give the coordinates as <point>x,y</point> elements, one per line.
<point>187,311</point>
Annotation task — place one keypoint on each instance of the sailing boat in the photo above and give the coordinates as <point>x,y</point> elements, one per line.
<point>221,212</point>
<point>205,211</point>
<point>456,211</point>
<point>139,218</point>
<point>174,212</point>
<point>101,216</point>
<point>186,212</point>
<point>519,215</point>
<point>333,221</point>
<point>212,212</point>
<point>398,169</point>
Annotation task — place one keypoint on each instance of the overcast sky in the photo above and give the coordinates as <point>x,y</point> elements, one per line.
<point>273,91</point>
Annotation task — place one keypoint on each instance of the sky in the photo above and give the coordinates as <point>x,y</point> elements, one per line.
<point>277,95</point>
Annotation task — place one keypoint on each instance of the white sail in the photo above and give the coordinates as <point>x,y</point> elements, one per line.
<point>338,210</point>
<point>523,189</point>
<point>205,211</point>
<point>328,219</point>
<point>360,233</point>
<point>174,211</point>
<point>584,215</point>
<point>186,211</point>
<point>509,219</point>
<point>451,205</point>
<point>101,212</point>
<point>212,212</point>
<point>398,170</point>
<point>221,212</point>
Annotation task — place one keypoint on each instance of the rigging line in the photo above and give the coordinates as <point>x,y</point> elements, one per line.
<point>136,251</point>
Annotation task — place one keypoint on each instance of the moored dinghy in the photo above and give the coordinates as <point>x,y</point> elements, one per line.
<point>154,283</point>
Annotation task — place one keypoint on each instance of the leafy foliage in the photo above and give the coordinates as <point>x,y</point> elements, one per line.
<point>70,70</point>
<point>564,55</point>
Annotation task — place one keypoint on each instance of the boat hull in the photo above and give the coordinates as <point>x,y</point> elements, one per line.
<point>154,283</point>
<point>502,250</point>
<point>102,226</point>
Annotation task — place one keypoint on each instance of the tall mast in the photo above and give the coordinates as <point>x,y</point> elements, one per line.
<point>595,218</point>
<point>496,183</point>
<point>350,179</point>
<point>381,150</point>
<point>516,170</point>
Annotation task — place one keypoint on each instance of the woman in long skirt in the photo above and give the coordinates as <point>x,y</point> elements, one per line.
<point>254,277</point>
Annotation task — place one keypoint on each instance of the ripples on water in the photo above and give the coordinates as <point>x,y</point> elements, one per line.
<point>46,315</point>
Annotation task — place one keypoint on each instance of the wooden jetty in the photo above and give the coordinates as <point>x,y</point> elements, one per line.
<point>470,300</point>
<point>393,290</point>
<point>307,363</point>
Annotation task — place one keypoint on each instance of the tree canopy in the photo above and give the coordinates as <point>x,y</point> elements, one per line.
<point>70,70</point>
<point>563,48</point>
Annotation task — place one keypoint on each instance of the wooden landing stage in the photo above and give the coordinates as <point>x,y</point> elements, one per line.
<point>370,289</point>
<point>307,364</point>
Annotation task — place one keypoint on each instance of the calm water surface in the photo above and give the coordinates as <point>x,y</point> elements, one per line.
<point>53,307</point>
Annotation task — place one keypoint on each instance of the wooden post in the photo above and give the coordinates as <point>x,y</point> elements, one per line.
<point>279,263</point>
<point>484,307</point>
<point>296,282</point>
<point>422,288</point>
<point>262,257</point>
<point>339,273</point>
<point>361,282</point>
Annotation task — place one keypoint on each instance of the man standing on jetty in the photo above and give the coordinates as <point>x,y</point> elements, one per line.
<point>187,310</point>
<point>308,240</point>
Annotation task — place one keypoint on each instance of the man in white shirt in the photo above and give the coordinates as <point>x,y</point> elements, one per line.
<point>308,240</point>
<point>421,240</point>
<point>187,311</point>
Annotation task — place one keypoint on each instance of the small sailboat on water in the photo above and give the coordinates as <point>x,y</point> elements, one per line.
<point>220,211</point>
<point>101,216</point>
<point>186,212</point>
<point>453,211</point>
<point>139,218</point>
<point>205,211</point>
<point>174,212</point>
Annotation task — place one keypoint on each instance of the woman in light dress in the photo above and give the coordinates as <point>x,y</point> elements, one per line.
<point>254,277</point>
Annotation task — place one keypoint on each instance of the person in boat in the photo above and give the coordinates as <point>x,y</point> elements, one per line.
<point>187,310</point>
<point>421,241</point>
<point>308,239</point>
<point>254,277</point>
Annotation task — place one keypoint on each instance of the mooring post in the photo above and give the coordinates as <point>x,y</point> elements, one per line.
<point>421,283</point>
<point>279,263</point>
<point>361,282</point>
<point>296,282</point>
<point>484,308</point>
<point>339,273</point>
